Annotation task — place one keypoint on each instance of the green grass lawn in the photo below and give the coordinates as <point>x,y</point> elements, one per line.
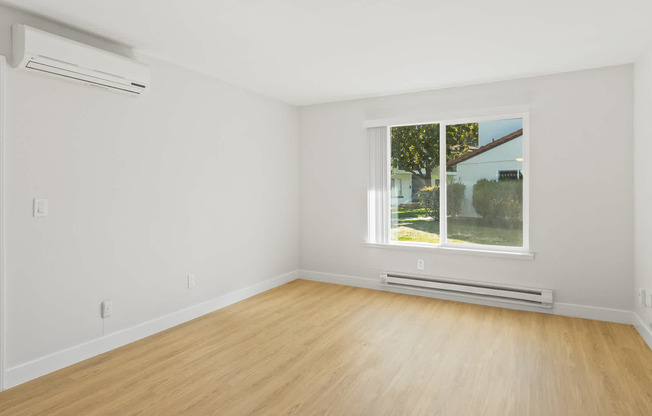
<point>410,212</point>
<point>414,225</point>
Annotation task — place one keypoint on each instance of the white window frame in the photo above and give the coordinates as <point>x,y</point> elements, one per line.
<point>379,211</point>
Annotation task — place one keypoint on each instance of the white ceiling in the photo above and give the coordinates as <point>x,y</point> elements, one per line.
<point>307,52</point>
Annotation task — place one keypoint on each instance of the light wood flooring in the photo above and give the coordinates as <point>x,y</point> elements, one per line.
<point>310,348</point>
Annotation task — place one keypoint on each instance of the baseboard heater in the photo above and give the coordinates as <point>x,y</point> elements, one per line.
<point>476,290</point>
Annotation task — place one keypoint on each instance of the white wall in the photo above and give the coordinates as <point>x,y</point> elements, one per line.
<point>196,176</point>
<point>581,186</point>
<point>642,189</point>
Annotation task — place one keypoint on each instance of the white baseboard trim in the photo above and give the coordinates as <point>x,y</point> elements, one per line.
<point>340,279</point>
<point>596,313</point>
<point>28,371</point>
<point>565,309</point>
<point>644,330</point>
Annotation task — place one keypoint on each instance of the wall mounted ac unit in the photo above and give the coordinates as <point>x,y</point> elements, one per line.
<point>44,52</point>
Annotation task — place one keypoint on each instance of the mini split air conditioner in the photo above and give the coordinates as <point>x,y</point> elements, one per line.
<point>44,52</point>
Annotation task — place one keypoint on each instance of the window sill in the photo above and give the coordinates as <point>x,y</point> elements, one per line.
<point>517,255</point>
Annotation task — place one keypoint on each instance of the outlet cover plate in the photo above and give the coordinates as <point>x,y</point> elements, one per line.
<point>107,308</point>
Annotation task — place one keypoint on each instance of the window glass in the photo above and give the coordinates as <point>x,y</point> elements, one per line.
<point>414,204</point>
<point>484,176</point>
<point>480,177</point>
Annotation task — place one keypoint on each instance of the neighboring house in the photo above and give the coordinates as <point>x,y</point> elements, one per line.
<point>498,159</point>
<point>401,187</point>
<point>493,159</point>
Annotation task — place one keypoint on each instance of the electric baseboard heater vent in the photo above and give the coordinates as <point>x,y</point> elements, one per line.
<point>477,290</point>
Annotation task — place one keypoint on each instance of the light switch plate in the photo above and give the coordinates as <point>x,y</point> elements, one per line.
<point>40,207</point>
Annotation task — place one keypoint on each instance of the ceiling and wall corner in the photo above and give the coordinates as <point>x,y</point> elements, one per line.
<point>307,52</point>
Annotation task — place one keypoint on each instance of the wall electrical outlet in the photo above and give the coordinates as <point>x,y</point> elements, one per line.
<point>192,282</point>
<point>107,308</point>
<point>642,296</point>
<point>420,264</point>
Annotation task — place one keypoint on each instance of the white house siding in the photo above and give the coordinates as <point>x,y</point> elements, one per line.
<point>486,165</point>
<point>402,189</point>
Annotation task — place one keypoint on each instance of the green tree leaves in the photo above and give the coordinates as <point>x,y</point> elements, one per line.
<point>415,148</point>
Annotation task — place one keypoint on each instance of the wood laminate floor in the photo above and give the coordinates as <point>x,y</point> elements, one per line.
<point>310,348</point>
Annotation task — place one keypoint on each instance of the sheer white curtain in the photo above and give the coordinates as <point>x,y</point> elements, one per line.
<point>378,193</point>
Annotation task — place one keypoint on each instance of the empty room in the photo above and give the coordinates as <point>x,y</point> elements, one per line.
<point>365,207</point>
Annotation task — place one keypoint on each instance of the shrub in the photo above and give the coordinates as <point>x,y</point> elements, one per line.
<point>429,200</point>
<point>500,203</point>
<point>454,196</point>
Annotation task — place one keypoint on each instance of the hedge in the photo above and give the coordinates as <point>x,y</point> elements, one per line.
<point>500,203</point>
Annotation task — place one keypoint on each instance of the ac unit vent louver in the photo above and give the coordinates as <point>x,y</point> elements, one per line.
<point>478,290</point>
